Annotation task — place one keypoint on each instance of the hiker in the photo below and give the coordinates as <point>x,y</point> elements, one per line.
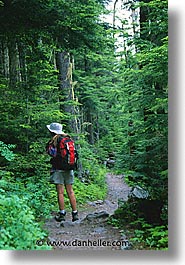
<point>61,175</point>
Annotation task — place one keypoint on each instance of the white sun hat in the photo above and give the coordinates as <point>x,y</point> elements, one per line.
<point>55,128</point>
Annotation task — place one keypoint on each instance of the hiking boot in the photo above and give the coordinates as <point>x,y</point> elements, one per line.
<point>74,216</point>
<point>60,217</point>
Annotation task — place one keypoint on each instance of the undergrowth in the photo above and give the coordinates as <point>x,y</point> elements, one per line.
<point>141,234</point>
<point>27,198</point>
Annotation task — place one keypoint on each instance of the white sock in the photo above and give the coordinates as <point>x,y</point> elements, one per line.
<point>62,211</point>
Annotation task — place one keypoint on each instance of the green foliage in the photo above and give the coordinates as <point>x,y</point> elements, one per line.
<point>96,190</point>
<point>141,234</point>
<point>154,238</point>
<point>114,221</point>
<point>17,223</point>
<point>6,152</point>
<point>143,119</point>
<point>77,20</point>
<point>91,163</point>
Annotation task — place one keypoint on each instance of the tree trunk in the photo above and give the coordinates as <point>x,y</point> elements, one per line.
<point>114,16</point>
<point>23,64</point>
<point>13,62</point>
<point>68,103</point>
<point>66,87</point>
<point>4,58</point>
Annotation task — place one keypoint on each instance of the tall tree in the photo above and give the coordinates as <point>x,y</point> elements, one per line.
<point>30,41</point>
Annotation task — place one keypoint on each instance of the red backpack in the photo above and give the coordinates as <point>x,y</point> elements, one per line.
<point>68,153</point>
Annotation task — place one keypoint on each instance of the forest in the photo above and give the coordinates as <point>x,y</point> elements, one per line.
<point>107,83</point>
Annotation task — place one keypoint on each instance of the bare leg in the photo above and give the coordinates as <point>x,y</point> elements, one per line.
<point>71,196</point>
<point>60,193</point>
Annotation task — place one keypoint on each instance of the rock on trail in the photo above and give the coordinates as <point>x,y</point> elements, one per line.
<point>92,230</point>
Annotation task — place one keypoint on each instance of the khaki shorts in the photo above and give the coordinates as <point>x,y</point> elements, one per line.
<point>62,177</point>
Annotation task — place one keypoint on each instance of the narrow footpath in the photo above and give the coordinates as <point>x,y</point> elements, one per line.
<point>92,230</point>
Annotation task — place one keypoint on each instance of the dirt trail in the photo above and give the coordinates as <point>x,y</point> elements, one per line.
<point>92,230</point>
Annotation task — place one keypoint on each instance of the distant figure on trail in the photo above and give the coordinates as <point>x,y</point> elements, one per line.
<point>62,150</point>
